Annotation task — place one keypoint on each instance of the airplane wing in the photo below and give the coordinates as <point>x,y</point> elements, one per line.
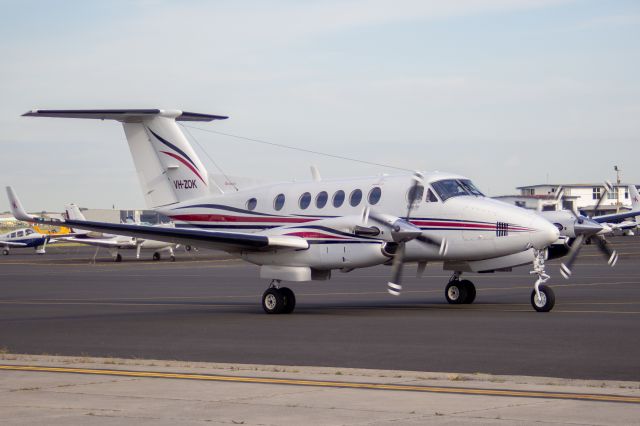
<point>98,242</point>
<point>227,241</point>
<point>11,244</point>
<point>615,217</point>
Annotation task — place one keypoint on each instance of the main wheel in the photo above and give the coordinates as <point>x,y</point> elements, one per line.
<point>5,252</point>
<point>470,291</point>
<point>289,300</point>
<point>546,301</point>
<point>173,258</point>
<point>273,301</point>
<point>455,292</point>
<point>156,256</point>
<point>118,258</point>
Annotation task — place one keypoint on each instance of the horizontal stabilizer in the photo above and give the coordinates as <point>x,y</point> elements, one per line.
<point>125,115</point>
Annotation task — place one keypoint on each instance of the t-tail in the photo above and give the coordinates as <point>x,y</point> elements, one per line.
<point>168,168</point>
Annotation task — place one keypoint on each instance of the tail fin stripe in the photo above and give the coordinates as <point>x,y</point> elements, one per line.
<point>180,159</point>
<point>172,146</point>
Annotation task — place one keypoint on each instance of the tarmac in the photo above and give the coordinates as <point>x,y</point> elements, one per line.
<point>202,315</point>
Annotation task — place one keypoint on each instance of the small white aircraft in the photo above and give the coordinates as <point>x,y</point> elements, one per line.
<point>576,229</point>
<point>24,238</point>
<point>115,243</point>
<point>302,231</point>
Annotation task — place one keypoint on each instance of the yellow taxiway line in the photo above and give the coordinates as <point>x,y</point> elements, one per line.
<point>332,384</point>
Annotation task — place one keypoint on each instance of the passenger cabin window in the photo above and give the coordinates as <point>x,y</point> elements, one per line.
<point>20,234</point>
<point>374,195</point>
<point>448,188</point>
<point>278,202</point>
<point>305,200</point>
<point>321,199</point>
<point>338,198</point>
<point>251,204</point>
<point>431,197</point>
<point>13,235</point>
<point>355,197</point>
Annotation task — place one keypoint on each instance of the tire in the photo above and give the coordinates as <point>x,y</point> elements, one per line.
<point>187,247</point>
<point>156,256</point>
<point>455,293</point>
<point>5,252</point>
<point>173,258</point>
<point>118,258</point>
<point>289,300</point>
<point>470,291</point>
<point>272,301</point>
<point>547,296</point>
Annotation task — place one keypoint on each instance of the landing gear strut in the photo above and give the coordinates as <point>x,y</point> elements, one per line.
<point>459,291</point>
<point>542,297</point>
<point>278,300</point>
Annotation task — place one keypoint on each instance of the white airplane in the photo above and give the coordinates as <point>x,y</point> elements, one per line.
<point>115,243</point>
<point>302,231</point>
<point>23,238</point>
<point>575,229</point>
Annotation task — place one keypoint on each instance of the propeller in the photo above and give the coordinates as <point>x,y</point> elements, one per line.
<point>586,228</point>
<point>403,231</point>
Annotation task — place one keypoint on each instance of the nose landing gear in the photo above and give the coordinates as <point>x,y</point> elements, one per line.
<point>542,297</point>
<point>278,300</point>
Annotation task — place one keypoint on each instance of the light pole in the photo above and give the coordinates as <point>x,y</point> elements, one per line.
<point>617,188</point>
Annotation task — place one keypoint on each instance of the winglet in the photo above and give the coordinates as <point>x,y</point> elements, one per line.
<point>16,206</point>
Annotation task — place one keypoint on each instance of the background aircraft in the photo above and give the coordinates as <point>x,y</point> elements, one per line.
<point>115,243</point>
<point>23,238</point>
<point>302,231</point>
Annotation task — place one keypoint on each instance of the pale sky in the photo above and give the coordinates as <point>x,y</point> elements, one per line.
<point>506,92</point>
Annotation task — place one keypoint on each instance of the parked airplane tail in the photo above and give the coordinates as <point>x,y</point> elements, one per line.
<point>168,168</point>
<point>635,198</point>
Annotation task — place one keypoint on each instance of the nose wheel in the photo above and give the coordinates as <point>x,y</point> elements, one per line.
<point>542,297</point>
<point>278,300</point>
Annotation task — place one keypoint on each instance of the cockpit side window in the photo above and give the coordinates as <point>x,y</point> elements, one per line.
<point>28,232</point>
<point>448,188</point>
<point>431,197</point>
<point>471,187</point>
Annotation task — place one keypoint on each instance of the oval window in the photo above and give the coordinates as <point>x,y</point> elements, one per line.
<point>278,202</point>
<point>252,203</point>
<point>338,198</point>
<point>321,199</point>
<point>305,200</point>
<point>374,195</point>
<point>355,197</point>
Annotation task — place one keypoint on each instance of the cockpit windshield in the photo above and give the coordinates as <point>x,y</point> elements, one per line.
<point>28,231</point>
<point>448,188</point>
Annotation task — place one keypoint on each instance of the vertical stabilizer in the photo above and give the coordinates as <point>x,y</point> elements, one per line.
<point>168,168</point>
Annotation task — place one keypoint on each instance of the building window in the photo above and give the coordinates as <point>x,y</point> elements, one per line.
<point>355,197</point>
<point>321,199</point>
<point>374,195</point>
<point>338,198</point>
<point>521,204</point>
<point>596,193</point>
<point>251,204</point>
<point>528,191</point>
<point>305,200</point>
<point>626,193</point>
<point>278,202</point>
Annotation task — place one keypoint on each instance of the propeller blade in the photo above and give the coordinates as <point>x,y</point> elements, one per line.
<point>415,193</point>
<point>365,215</point>
<point>565,267</point>
<point>559,194</point>
<point>612,255</point>
<point>394,286</point>
<point>607,188</point>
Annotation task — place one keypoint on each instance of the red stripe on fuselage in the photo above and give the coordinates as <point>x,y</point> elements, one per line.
<point>226,218</point>
<point>316,235</point>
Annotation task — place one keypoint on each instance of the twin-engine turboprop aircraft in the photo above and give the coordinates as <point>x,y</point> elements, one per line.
<point>303,231</point>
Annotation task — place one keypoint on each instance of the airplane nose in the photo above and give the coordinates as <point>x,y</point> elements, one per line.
<point>543,233</point>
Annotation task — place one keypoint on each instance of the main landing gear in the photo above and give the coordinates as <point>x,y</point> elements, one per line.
<point>542,297</point>
<point>459,291</point>
<point>278,300</point>
<point>5,252</point>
